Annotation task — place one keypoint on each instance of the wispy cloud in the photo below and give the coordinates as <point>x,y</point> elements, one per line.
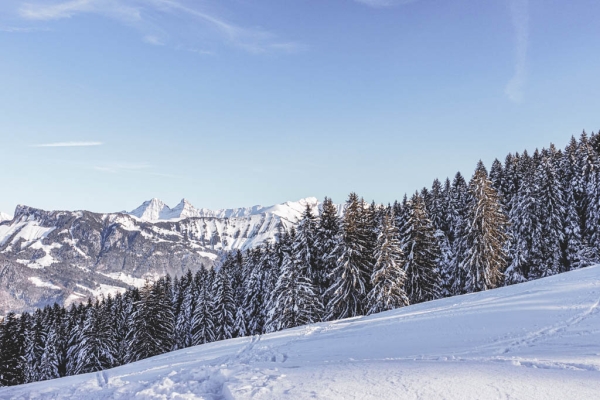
<point>68,144</point>
<point>19,29</point>
<point>154,40</point>
<point>151,18</point>
<point>122,167</point>
<point>519,11</point>
<point>385,3</point>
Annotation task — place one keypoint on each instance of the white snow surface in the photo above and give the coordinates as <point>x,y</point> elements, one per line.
<point>40,283</point>
<point>537,340</point>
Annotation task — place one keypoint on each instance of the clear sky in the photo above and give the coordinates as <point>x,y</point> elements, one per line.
<point>107,103</point>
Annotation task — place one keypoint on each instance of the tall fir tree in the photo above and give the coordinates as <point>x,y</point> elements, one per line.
<point>347,294</point>
<point>485,260</point>
<point>422,253</point>
<point>327,242</point>
<point>388,277</point>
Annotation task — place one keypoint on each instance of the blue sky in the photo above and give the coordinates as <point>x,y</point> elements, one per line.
<point>237,102</point>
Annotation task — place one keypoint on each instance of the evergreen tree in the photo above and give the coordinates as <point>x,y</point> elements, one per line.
<point>203,326</point>
<point>295,300</point>
<point>95,345</point>
<point>187,293</point>
<point>455,282</point>
<point>349,287</point>
<point>485,259</point>
<point>153,321</point>
<point>387,279</point>
<point>11,350</point>
<point>49,362</point>
<point>224,305</point>
<point>327,243</point>
<point>422,253</point>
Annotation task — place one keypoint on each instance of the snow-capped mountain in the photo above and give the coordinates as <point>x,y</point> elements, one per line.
<point>66,256</point>
<point>156,210</point>
<point>535,340</point>
<point>4,217</point>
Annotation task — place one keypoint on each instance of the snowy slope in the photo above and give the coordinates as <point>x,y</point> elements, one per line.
<point>537,340</point>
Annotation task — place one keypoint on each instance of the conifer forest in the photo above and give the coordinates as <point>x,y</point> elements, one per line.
<point>531,216</point>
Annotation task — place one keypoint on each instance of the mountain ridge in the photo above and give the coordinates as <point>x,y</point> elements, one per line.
<point>67,256</point>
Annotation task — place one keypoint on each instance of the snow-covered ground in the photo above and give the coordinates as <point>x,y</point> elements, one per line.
<point>538,340</point>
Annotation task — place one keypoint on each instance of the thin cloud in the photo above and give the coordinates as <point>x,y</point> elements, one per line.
<point>153,40</point>
<point>68,144</point>
<point>150,17</point>
<point>15,29</point>
<point>519,11</point>
<point>385,3</point>
<point>122,167</point>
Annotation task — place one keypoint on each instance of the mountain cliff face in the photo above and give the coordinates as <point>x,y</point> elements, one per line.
<point>64,256</point>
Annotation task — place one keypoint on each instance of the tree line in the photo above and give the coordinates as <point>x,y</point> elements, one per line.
<point>529,217</point>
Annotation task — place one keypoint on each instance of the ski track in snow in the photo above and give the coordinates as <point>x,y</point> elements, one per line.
<point>538,340</point>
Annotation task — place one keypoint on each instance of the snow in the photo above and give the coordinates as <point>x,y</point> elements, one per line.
<point>5,217</point>
<point>40,283</point>
<point>125,278</point>
<point>537,340</point>
<point>29,231</point>
<point>101,290</point>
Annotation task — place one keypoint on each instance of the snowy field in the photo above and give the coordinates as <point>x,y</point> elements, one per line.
<point>538,340</point>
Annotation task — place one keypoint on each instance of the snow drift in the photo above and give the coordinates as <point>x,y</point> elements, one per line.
<point>536,340</point>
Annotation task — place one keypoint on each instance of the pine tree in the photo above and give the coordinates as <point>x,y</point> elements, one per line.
<point>295,300</point>
<point>33,347</point>
<point>153,321</point>
<point>422,253</point>
<point>257,290</point>
<point>486,236</point>
<point>327,243</point>
<point>203,326</point>
<point>187,293</point>
<point>304,246</point>
<point>49,362</point>
<point>95,347</point>
<point>348,291</point>
<point>388,276</point>
<point>224,305</point>
<point>11,350</point>
<point>455,282</point>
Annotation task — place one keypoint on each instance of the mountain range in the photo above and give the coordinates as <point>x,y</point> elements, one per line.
<point>68,256</point>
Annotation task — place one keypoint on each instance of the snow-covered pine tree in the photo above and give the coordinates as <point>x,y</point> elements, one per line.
<point>95,345</point>
<point>34,347</point>
<point>224,310</point>
<point>327,242</point>
<point>455,279</point>
<point>485,260</point>
<point>525,250</point>
<point>49,362</point>
<point>256,292</point>
<point>11,350</point>
<point>347,293</point>
<point>422,253</point>
<point>550,213</point>
<point>153,321</point>
<point>387,279</point>
<point>303,246</point>
<point>295,300</point>
<point>203,326</point>
<point>187,294</point>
